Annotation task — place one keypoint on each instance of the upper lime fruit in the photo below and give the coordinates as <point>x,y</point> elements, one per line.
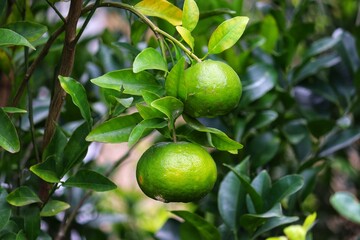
<point>176,172</point>
<point>212,88</point>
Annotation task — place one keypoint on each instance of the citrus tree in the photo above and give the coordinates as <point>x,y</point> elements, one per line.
<point>253,119</point>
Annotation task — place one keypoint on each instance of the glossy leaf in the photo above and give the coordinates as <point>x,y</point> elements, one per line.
<point>78,96</point>
<point>262,148</point>
<point>273,223</point>
<point>170,106</point>
<point>9,139</point>
<point>347,205</point>
<point>127,81</point>
<point>190,15</point>
<point>31,221</point>
<point>161,9</point>
<point>10,38</point>
<point>149,97</point>
<point>91,180</point>
<point>32,31</point>
<point>231,196</point>
<point>175,80</point>
<point>284,187</point>
<point>54,150</point>
<point>115,130</point>
<point>126,102</point>
<point>259,80</point>
<point>263,119</point>
<point>255,197</point>
<point>53,207</point>
<point>206,230</point>
<point>320,46</point>
<point>295,131</point>
<point>5,209</point>
<point>262,184</point>
<point>22,196</point>
<point>339,141</point>
<point>13,110</point>
<point>147,59</point>
<point>46,170</point>
<point>145,127</point>
<point>186,35</point>
<point>76,148</point>
<point>227,34</point>
<point>147,112</point>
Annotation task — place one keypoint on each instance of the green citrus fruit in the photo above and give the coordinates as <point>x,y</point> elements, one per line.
<point>212,88</point>
<point>176,172</point>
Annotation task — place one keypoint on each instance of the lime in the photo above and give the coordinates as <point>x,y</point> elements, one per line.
<point>176,172</point>
<point>212,88</point>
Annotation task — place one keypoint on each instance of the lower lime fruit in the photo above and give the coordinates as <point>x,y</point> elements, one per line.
<point>212,88</point>
<point>176,172</point>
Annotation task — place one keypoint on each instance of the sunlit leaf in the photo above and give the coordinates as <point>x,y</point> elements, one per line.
<point>144,127</point>
<point>32,31</point>
<point>13,110</point>
<point>161,9</point>
<point>10,38</point>
<point>53,207</point>
<point>186,35</point>
<point>147,59</point>
<point>190,15</point>
<point>22,196</point>
<point>227,34</point>
<point>46,170</point>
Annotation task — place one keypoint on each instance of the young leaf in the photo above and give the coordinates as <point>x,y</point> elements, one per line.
<point>46,170</point>
<point>206,230</point>
<point>149,58</point>
<point>161,9</point>
<point>29,30</point>
<point>190,15</point>
<point>78,96</point>
<point>5,209</point>
<point>129,82</point>
<point>144,127</point>
<point>90,180</point>
<point>186,35</point>
<point>11,38</point>
<point>9,139</point>
<point>53,207</point>
<point>22,196</point>
<point>115,130</point>
<point>227,34</point>
<point>175,80</point>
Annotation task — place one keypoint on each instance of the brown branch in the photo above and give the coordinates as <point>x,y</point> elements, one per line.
<point>66,66</point>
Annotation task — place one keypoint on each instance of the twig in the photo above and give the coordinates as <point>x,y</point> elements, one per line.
<point>87,20</point>
<point>56,11</point>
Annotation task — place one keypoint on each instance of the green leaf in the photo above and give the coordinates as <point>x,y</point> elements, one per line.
<point>320,46</point>
<point>46,170</point>
<point>78,96</point>
<point>255,197</point>
<point>147,59</point>
<point>149,97</point>
<point>295,131</point>
<point>90,180</point>
<point>347,205</point>
<point>9,139</point>
<point>227,34</point>
<point>186,35</point>
<point>21,235</point>
<point>262,148</point>
<point>273,223</point>
<point>310,221</point>
<point>252,221</point>
<point>231,196</point>
<point>31,222</point>
<point>5,209</point>
<point>126,102</point>
<point>259,80</point>
<point>32,31</point>
<point>144,127</point>
<point>76,148</point>
<point>115,130</point>
<point>339,141</point>
<point>13,110</point>
<point>128,82</point>
<point>262,184</point>
<point>175,83</point>
<point>269,30</point>
<point>263,119</point>
<point>170,106</point>
<point>10,38</point>
<point>190,15</point>
<point>22,196</point>
<point>161,9</point>
<point>147,112</point>
<point>283,188</point>
<point>53,207</point>
<point>206,230</point>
